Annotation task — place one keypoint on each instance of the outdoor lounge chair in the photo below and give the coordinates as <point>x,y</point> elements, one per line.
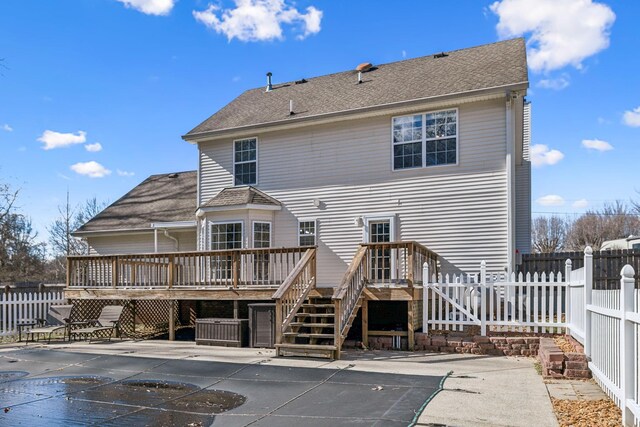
<point>103,326</point>
<point>57,319</point>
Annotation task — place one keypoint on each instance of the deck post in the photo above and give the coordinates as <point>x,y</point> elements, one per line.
<point>236,270</point>
<point>278,324</point>
<point>114,271</point>
<point>410,331</point>
<point>409,267</point>
<point>170,272</point>
<point>337,331</point>
<point>235,308</point>
<point>365,322</point>
<point>68,272</point>
<point>172,320</point>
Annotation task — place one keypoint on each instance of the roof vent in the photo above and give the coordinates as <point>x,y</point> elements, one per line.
<point>364,67</point>
<point>172,175</point>
<point>440,55</point>
<point>269,86</point>
<point>301,81</point>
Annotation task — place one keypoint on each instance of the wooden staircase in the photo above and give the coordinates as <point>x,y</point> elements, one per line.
<point>312,332</point>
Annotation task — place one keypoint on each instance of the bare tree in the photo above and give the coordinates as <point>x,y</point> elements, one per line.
<point>61,241</point>
<point>614,221</point>
<point>548,234</point>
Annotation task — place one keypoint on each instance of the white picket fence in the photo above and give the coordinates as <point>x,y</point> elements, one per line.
<point>496,302</point>
<point>606,322</point>
<point>24,307</point>
<point>612,341</point>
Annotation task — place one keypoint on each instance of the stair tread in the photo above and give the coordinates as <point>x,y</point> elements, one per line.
<point>307,346</point>
<point>308,335</point>
<point>309,305</point>
<point>313,325</point>
<point>316,314</point>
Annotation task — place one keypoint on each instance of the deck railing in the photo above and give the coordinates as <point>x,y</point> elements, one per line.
<point>294,291</point>
<point>235,268</point>
<point>392,263</point>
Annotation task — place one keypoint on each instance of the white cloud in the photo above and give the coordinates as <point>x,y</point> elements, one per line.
<point>541,155</point>
<point>53,139</point>
<point>7,128</point>
<point>562,32</point>
<point>632,118</point>
<point>124,173</point>
<point>558,83</point>
<point>93,148</point>
<point>580,204</point>
<point>65,177</point>
<point>91,169</point>
<point>259,20</point>
<point>150,7</point>
<point>596,144</point>
<point>404,54</point>
<point>550,200</point>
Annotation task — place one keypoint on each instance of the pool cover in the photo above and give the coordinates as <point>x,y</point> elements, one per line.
<point>55,387</point>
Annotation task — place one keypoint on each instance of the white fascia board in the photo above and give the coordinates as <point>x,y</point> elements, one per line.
<point>249,206</point>
<point>395,108</point>
<point>174,224</point>
<point>113,232</point>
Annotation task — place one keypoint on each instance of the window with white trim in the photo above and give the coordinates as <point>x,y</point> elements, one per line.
<point>307,233</point>
<point>245,161</point>
<point>423,140</point>
<point>226,236</point>
<point>261,234</point>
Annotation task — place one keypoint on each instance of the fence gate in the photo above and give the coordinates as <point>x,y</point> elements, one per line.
<point>454,304</point>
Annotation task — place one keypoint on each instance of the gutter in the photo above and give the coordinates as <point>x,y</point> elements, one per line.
<point>200,136</point>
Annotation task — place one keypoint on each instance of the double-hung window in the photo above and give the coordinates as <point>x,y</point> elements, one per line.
<point>423,140</point>
<point>245,161</point>
<point>307,233</point>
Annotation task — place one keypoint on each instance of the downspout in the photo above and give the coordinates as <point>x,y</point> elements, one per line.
<point>155,240</point>
<point>169,236</point>
<point>510,166</point>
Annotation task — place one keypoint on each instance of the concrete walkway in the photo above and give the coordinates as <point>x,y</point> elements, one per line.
<point>482,390</point>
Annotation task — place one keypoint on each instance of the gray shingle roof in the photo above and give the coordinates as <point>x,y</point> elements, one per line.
<point>159,198</point>
<point>238,196</point>
<point>493,65</point>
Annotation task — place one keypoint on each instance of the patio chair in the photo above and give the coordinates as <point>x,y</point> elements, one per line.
<point>104,325</point>
<point>57,319</point>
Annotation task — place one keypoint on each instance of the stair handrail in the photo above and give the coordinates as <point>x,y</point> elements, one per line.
<point>294,291</point>
<point>346,296</point>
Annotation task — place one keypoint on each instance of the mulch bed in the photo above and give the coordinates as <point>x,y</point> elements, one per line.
<point>587,413</point>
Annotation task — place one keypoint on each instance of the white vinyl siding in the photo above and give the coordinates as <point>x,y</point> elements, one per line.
<point>141,243</point>
<point>523,188</point>
<point>459,211</point>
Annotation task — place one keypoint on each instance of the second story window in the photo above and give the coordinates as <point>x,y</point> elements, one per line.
<point>424,140</point>
<point>245,161</point>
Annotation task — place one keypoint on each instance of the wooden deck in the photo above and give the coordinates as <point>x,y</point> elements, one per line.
<point>389,271</point>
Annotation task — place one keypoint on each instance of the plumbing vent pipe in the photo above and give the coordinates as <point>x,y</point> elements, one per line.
<point>269,85</point>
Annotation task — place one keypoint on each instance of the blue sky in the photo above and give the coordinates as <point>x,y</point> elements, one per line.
<point>135,75</point>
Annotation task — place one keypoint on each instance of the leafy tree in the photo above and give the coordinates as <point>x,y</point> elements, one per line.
<point>548,234</point>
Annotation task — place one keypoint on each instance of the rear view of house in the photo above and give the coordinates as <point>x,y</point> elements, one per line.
<point>328,195</point>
